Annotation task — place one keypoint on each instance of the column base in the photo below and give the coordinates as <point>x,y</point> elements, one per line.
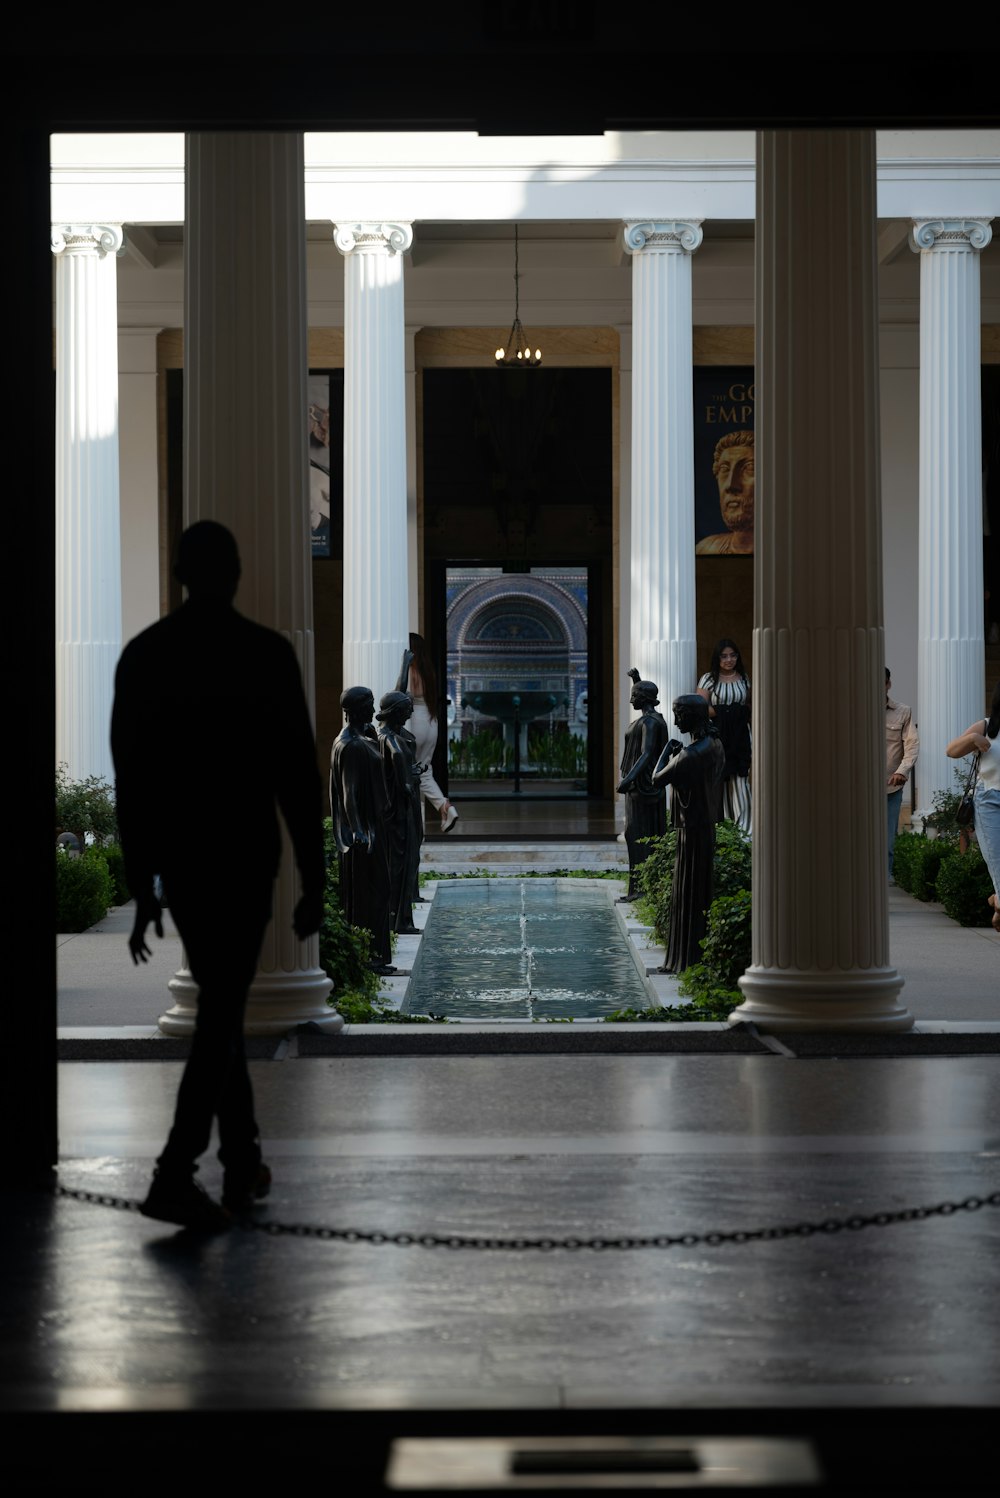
<point>808,1000</point>
<point>277,1003</point>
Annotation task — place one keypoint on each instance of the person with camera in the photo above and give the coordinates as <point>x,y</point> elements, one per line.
<point>982,739</point>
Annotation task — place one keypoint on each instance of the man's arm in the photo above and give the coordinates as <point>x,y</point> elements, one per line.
<point>911,746</point>
<point>131,804</point>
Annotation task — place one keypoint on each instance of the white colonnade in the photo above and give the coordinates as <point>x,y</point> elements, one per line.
<point>951,659</point>
<point>88,533</point>
<point>245,465</point>
<point>376,572</point>
<point>820,903</point>
<point>663,627</point>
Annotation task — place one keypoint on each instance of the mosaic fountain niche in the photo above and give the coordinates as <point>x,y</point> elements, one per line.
<point>524,950</point>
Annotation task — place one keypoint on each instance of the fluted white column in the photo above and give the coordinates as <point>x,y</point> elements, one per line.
<point>376,584</point>
<point>88,544</point>
<point>246,465</point>
<point>820,900</point>
<point>663,631</point>
<point>951,661</point>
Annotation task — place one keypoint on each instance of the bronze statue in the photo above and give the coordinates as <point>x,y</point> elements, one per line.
<point>645,804</point>
<point>695,775</point>
<point>359,807</point>
<point>404,823</point>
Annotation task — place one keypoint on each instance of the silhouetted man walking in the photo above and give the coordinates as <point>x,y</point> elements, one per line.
<point>210,735</point>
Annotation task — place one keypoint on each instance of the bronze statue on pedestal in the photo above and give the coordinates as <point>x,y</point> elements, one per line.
<point>359,806</point>
<point>404,823</point>
<point>694,774</point>
<point>645,804</point>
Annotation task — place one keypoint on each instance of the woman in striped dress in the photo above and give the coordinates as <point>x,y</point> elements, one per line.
<point>726,689</point>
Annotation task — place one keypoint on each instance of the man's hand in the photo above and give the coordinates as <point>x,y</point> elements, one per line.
<point>896,779</point>
<point>308,915</point>
<point>148,910</point>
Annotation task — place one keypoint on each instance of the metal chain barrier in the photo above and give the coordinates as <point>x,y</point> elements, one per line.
<point>829,1226</point>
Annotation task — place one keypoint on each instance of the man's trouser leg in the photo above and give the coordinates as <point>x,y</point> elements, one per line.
<point>222,939</point>
<point>894,801</point>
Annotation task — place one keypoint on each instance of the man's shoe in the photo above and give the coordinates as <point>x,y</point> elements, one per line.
<point>239,1193</point>
<point>449,819</point>
<point>181,1199</point>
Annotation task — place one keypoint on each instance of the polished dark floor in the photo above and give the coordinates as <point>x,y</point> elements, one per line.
<point>108,1313</point>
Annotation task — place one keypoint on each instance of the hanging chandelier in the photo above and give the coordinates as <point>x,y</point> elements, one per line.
<point>517,354</point>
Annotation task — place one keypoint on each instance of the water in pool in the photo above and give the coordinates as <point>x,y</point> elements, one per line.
<point>531,949</point>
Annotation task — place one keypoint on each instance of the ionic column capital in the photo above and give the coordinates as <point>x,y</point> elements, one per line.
<point>950,234</point>
<point>88,239</point>
<point>373,238</point>
<point>669,236</point>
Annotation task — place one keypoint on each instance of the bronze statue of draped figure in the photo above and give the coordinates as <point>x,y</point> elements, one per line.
<point>645,804</point>
<point>359,807</point>
<point>404,824</point>
<point>694,774</point>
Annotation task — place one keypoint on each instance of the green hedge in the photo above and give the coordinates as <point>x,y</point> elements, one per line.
<point>115,860</point>
<point>964,886</point>
<point>917,861</point>
<point>84,890</point>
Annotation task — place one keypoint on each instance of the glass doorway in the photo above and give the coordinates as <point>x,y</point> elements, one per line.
<point>517,673</point>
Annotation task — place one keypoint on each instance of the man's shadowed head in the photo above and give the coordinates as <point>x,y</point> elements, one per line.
<point>208,562</point>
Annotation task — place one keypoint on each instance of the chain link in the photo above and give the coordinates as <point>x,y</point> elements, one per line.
<point>548,1244</point>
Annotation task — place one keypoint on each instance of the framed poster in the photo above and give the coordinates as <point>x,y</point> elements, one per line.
<point>723,460</point>
<point>326,462</point>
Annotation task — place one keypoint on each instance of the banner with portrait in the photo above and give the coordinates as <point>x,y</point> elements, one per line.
<point>723,460</point>
<point>326,462</point>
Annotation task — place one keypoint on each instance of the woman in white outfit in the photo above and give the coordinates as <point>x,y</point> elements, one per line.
<point>418,679</point>
<point>983,738</point>
<point>726,689</point>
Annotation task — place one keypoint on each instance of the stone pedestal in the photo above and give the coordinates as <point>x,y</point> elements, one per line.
<point>376,583</point>
<point>663,629</point>
<point>246,465</point>
<point>820,900</point>
<point>951,662</point>
<point>88,545</point>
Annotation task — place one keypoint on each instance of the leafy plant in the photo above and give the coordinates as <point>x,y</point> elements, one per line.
<point>904,859</point>
<point>943,819</point>
<point>85,807</point>
<point>359,1009</point>
<point>556,753</point>
<point>702,1011</point>
<point>726,945</point>
<point>479,756</point>
<point>964,886</point>
<point>115,860</point>
<point>925,860</point>
<point>83,889</point>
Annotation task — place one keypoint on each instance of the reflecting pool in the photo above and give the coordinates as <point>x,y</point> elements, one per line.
<point>524,949</point>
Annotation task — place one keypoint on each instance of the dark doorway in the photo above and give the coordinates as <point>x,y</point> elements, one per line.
<point>517,484</point>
